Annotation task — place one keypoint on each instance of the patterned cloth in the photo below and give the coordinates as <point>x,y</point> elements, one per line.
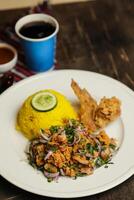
<point>20,71</point>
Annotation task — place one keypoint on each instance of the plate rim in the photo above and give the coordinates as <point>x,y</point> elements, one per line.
<point>36,76</point>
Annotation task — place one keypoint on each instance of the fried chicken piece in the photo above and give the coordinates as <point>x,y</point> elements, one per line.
<point>107,111</point>
<point>88,106</point>
<point>82,94</point>
<point>95,116</point>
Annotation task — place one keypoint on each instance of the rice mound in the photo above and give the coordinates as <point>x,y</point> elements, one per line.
<point>30,121</point>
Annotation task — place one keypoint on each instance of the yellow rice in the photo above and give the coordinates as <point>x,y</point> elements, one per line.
<point>30,121</point>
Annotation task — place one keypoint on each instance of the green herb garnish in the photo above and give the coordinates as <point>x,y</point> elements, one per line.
<point>99,162</point>
<point>106,166</point>
<point>96,148</point>
<point>74,122</point>
<point>70,132</point>
<point>103,148</point>
<point>53,148</point>
<point>90,148</point>
<point>49,180</point>
<point>54,129</point>
<point>112,146</point>
<point>49,170</point>
<point>80,174</point>
<point>73,166</point>
<point>83,151</point>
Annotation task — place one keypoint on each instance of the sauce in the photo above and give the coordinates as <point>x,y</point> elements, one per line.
<point>6,55</point>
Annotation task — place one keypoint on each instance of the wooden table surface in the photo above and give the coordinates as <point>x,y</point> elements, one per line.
<point>96,36</point>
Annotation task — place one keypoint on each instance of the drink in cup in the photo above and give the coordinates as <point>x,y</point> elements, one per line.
<point>38,34</point>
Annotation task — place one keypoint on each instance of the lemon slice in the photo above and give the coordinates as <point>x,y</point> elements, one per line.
<point>44,101</point>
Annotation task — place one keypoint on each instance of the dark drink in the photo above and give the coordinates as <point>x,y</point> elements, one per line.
<point>37,30</point>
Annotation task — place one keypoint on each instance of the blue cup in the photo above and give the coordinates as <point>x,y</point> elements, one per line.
<point>39,53</point>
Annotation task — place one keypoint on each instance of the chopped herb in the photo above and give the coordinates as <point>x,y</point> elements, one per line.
<point>49,170</point>
<point>96,148</point>
<point>49,180</point>
<point>74,122</point>
<point>99,162</point>
<point>112,146</point>
<point>42,130</point>
<point>75,177</point>
<point>107,163</point>
<point>73,166</point>
<point>103,148</point>
<point>54,129</point>
<point>102,143</point>
<point>80,174</point>
<point>106,166</point>
<point>83,151</point>
<point>53,148</point>
<point>31,162</point>
<point>70,138</point>
<point>90,148</point>
<point>70,132</point>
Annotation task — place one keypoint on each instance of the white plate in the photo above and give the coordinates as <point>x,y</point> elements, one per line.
<point>13,165</point>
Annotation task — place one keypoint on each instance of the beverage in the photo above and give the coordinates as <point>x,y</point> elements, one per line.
<point>37,30</point>
<point>38,35</point>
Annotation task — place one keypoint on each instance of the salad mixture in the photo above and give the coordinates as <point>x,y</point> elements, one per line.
<point>69,150</point>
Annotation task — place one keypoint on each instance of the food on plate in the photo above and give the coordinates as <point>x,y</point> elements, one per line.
<point>107,111</point>
<point>88,106</point>
<point>63,142</point>
<point>93,115</point>
<point>41,110</point>
<point>69,150</point>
